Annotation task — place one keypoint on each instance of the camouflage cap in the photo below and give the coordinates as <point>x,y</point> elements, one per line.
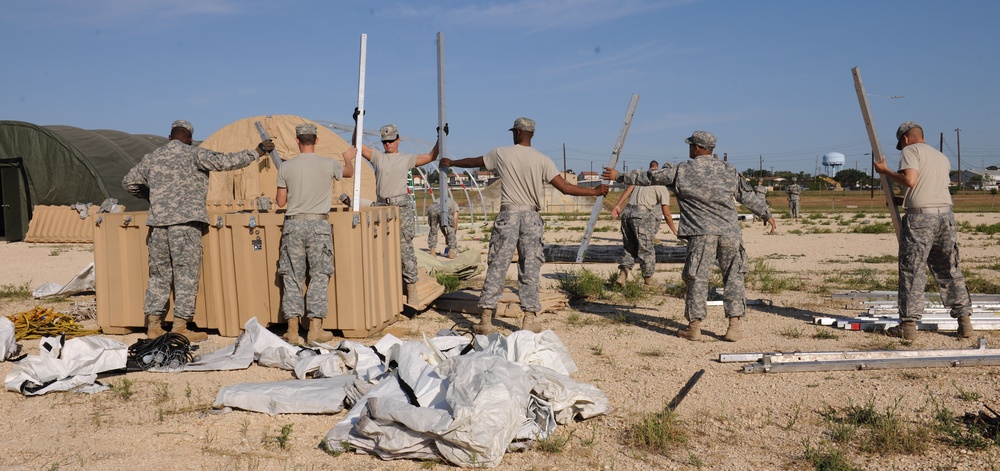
<point>795,179</point>
<point>305,128</point>
<point>524,124</point>
<point>903,129</point>
<point>180,123</point>
<point>389,132</point>
<point>703,139</point>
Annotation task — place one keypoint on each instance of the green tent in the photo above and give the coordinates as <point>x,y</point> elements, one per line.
<point>63,165</point>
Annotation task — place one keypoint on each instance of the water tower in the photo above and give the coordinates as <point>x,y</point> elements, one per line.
<point>832,162</point>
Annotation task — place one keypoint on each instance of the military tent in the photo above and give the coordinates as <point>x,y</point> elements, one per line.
<point>258,180</point>
<point>63,165</point>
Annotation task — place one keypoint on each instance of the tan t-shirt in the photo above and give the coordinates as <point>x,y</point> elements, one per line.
<point>649,197</point>
<point>391,172</point>
<point>309,180</point>
<point>931,190</point>
<point>522,170</point>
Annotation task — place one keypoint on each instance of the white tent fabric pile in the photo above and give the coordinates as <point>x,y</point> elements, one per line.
<point>9,348</point>
<point>448,397</point>
<point>62,365</point>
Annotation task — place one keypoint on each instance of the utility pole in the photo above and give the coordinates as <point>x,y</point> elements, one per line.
<point>941,144</point>
<point>760,173</point>
<point>958,141</point>
<point>725,156</point>
<point>564,161</point>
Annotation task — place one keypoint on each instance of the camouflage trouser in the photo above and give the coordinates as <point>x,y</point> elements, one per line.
<point>793,207</point>
<point>306,248</point>
<point>434,220</point>
<point>703,253</point>
<point>406,229</point>
<point>930,240</point>
<point>521,230</point>
<point>174,259</point>
<point>639,228</point>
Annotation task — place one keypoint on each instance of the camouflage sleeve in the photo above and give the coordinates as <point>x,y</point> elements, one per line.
<point>751,199</point>
<point>664,176</point>
<point>135,182</point>
<point>218,162</point>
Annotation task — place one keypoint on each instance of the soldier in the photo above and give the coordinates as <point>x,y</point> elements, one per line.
<point>391,170</point>
<point>706,190</point>
<point>927,237</point>
<point>446,225</point>
<point>640,223</point>
<point>523,171</point>
<point>793,191</point>
<point>174,178</point>
<point>305,183</point>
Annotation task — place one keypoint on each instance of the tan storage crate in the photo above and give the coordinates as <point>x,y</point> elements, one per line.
<point>239,271</point>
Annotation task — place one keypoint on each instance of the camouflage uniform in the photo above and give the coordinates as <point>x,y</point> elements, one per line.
<point>175,180</point>
<point>523,172</point>
<point>438,223</point>
<point>928,238</point>
<point>793,191</point>
<point>521,230</point>
<point>706,190</point>
<point>306,245</point>
<point>639,228</point>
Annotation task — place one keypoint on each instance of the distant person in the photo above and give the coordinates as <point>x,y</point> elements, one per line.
<point>707,190</point>
<point>305,184</point>
<point>392,169</point>
<point>445,224</point>
<point>523,172</point>
<point>793,191</point>
<point>761,190</point>
<point>174,178</point>
<point>927,237</point>
<point>640,223</point>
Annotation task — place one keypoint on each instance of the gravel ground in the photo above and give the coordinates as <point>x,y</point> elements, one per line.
<point>731,420</point>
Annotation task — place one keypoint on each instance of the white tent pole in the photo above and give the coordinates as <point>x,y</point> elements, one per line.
<point>358,141</point>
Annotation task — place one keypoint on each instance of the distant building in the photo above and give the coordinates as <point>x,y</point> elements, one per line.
<point>589,177</point>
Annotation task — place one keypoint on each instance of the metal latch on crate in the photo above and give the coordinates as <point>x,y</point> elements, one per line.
<point>218,222</point>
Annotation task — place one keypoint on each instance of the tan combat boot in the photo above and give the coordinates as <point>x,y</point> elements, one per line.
<point>530,322</point>
<point>316,332</point>
<point>180,327</point>
<point>622,277</point>
<point>692,332</point>
<point>452,253</point>
<point>485,325</point>
<point>965,327</point>
<point>433,250</point>
<point>154,327</point>
<point>648,281</point>
<point>906,330</point>
<point>733,333</point>
<point>292,335</point>
<point>412,296</point>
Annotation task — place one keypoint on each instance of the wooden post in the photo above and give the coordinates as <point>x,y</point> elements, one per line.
<point>876,149</point>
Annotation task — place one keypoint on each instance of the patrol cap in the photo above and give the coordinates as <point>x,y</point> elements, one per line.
<point>389,132</point>
<point>903,129</point>
<point>305,128</point>
<point>795,179</point>
<point>524,124</point>
<point>703,139</point>
<point>180,123</point>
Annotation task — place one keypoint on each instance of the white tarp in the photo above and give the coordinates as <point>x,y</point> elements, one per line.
<point>9,347</point>
<point>468,409</point>
<point>83,282</point>
<point>292,396</point>
<point>64,366</point>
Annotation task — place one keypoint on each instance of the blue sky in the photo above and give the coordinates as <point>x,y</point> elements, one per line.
<point>772,79</point>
